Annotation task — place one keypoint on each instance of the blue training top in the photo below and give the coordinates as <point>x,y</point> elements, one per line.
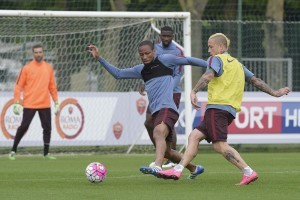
<point>159,89</point>
<point>217,66</point>
<point>178,70</point>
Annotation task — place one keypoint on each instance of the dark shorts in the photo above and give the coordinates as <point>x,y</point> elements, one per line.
<point>215,125</point>
<point>169,117</point>
<point>176,98</point>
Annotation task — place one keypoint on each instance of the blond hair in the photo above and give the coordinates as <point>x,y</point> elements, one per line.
<point>223,39</point>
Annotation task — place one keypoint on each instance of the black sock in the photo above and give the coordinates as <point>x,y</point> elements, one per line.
<point>46,149</point>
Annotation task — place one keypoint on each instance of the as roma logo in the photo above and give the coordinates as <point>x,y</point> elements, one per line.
<point>9,121</point>
<point>141,105</point>
<point>118,129</point>
<point>70,120</point>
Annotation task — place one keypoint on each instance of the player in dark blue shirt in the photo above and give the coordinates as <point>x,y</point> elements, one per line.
<point>157,73</point>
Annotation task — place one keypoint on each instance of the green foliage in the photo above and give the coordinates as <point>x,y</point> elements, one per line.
<point>214,10</point>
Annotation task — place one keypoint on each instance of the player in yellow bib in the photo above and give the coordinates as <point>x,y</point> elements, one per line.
<point>225,78</point>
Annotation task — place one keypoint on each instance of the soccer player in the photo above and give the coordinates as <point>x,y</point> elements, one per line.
<point>36,81</point>
<point>225,78</point>
<point>166,46</point>
<point>157,73</point>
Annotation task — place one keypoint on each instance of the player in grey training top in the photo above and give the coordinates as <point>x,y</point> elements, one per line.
<point>157,73</point>
<point>167,46</point>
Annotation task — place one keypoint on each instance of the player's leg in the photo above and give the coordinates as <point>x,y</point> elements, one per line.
<point>176,98</point>
<point>233,156</point>
<point>196,136</point>
<point>149,127</point>
<point>27,117</point>
<point>218,130</point>
<point>230,154</point>
<point>176,157</point>
<point>164,120</point>
<point>169,163</point>
<point>160,133</point>
<point>45,117</point>
<point>185,161</point>
<point>149,124</point>
<point>174,139</point>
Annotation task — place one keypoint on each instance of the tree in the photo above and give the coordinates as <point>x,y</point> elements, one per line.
<point>196,8</point>
<point>118,5</point>
<point>274,41</point>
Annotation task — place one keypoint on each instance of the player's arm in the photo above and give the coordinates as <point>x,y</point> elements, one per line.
<point>171,60</point>
<point>141,89</point>
<point>204,80</point>
<point>53,91</point>
<point>262,86</point>
<point>132,72</point>
<point>201,84</point>
<point>214,69</point>
<point>19,84</point>
<point>52,86</point>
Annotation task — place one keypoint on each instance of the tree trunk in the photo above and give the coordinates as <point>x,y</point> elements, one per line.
<point>118,5</point>
<point>196,8</point>
<point>231,27</point>
<point>274,42</point>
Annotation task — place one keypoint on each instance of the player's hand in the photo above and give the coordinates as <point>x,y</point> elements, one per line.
<point>56,107</point>
<point>282,91</point>
<point>142,89</point>
<point>94,51</point>
<point>17,108</point>
<point>194,100</point>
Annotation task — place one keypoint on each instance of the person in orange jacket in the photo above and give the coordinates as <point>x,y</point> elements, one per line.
<point>36,81</point>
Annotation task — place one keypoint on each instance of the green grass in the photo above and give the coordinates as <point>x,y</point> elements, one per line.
<point>31,177</point>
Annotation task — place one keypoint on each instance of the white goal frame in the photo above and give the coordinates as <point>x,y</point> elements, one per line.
<point>185,16</point>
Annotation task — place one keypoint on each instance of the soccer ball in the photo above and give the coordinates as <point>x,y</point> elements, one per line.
<point>95,172</point>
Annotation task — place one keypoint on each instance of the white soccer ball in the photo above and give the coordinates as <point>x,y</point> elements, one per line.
<point>95,172</point>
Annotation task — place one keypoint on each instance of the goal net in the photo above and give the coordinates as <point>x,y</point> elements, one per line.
<point>96,108</point>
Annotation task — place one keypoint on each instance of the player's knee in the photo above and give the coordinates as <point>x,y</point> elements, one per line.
<point>195,136</point>
<point>158,137</point>
<point>218,147</point>
<point>23,128</point>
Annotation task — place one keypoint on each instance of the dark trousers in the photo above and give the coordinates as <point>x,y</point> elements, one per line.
<point>28,114</point>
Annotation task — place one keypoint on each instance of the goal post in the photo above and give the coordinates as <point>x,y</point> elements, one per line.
<point>65,35</point>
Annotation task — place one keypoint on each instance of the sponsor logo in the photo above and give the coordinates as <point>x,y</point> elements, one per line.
<point>154,66</point>
<point>141,105</point>
<point>257,117</point>
<point>70,120</point>
<point>9,121</point>
<point>230,60</point>
<point>290,117</point>
<point>118,129</point>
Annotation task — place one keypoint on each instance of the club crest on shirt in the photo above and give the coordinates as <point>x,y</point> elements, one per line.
<point>141,105</point>
<point>117,129</point>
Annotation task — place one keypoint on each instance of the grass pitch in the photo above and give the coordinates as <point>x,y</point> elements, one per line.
<point>31,177</point>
